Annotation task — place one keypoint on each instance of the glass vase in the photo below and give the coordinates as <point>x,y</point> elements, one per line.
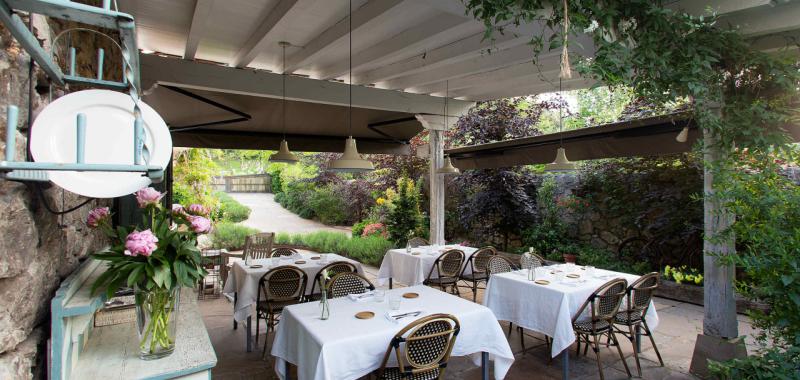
<point>156,321</point>
<point>325,311</point>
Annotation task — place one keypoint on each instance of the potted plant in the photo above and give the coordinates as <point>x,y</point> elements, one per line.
<point>570,253</point>
<point>156,261</point>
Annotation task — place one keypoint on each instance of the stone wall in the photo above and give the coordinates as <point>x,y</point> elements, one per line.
<point>37,248</point>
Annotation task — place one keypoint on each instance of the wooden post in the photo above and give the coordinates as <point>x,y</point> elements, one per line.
<point>435,126</point>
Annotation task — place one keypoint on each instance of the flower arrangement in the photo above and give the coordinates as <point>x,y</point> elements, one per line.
<point>377,229</point>
<point>683,274</point>
<point>156,261</point>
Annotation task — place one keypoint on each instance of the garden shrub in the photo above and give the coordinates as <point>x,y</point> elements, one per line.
<point>230,210</point>
<point>404,218</point>
<point>327,206</point>
<point>230,236</point>
<point>375,229</point>
<point>358,228</point>
<point>368,250</point>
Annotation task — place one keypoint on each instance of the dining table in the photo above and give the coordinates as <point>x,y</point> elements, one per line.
<point>549,308</point>
<point>412,266</point>
<point>345,347</point>
<point>242,283</point>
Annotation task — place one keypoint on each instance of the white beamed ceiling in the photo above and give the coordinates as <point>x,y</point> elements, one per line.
<point>405,45</point>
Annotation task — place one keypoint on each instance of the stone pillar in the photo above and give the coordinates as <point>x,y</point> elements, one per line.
<point>436,127</point>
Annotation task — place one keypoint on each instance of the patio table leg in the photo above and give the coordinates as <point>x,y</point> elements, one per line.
<point>638,339</point>
<point>235,324</point>
<point>390,282</point>
<point>565,364</point>
<point>485,365</point>
<point>286,370</point>
<point>249,334</point>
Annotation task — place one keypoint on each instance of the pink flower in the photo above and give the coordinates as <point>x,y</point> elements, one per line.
<point>375,229</point>
<point>198,210</point>
<point>98,216</point>
<point>178,210</point>
<point>200,224</point>
<point>141,243</point>
<point>148,197</point>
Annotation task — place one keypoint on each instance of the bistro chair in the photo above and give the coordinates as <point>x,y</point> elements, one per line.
<point>259,246</point>
<point>477,264</point>
<point>417,242</point>
<point>531,261</point>
<point>334,268</point>
<point>638,297</point>
<point>283,252</point>
<point>422,349</point>
<point>498,264</point>
<point>348,283</point>
<point>447,268</point>
<point>280,287</point>
<point>595,319</point>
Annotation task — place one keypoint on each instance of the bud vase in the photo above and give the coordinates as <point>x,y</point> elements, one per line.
<point>156,321</point>
<point>323,305</point>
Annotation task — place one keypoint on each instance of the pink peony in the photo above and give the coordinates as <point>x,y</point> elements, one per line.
<point>141,243</point>
<point>178,210</point>
<point>200,224</point>
<point>148,197</point>
<point>197,210</point>
<point>98,216</point>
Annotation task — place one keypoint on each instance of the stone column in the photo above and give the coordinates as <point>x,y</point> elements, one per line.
<point>435,126</point>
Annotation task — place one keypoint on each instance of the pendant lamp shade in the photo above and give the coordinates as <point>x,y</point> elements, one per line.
<point>561,164</point>
<point>351,161</point>
<point>283,154</point>
<point>448,167</point>
<point>683,136</point>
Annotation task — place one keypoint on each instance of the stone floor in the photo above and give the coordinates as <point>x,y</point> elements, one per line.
<point>679,325</point>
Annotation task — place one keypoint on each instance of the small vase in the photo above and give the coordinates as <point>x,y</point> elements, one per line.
<point>156,321</point>
<point>325,311</point>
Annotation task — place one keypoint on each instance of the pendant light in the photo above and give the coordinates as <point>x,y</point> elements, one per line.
<point>284,154</point>
<point>351,161</point>
<point>561,163</point>
<point>448,167</point>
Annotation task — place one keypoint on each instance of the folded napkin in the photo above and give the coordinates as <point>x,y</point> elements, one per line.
<point>403,315</point>
<point>361,297</point>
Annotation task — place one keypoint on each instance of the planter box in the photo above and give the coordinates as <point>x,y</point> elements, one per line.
<point>694,294</point>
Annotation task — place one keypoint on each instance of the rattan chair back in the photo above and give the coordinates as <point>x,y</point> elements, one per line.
<point>531,260</point>
<point>283,284</point>
<point>283,251</point>
<point>259,246</point>
<point>449,263</point>
<point>333,269</point>
<point>498,264</point>
<point>423,347</point>
<point>480,258</point>
<point>348,283</point>
<point>604,303</point>
<point>640,293</point>
<point>417,242</point>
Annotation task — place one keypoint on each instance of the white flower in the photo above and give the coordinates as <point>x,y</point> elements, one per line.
<point>592,27</point>
<point>326,275</point>
<point>628,24</point>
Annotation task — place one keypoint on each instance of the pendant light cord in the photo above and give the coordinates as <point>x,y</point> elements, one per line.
<point>283,104</point>
<point>560,115</point>
<point>350,71</point>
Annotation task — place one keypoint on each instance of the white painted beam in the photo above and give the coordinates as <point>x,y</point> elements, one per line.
<point>721,7</point>
<point>522,86</point>
<point>466,48</point>
<point>341,29</point>
<point>257,41</point>
<point>202,76</point>
<point>767,20</point>
<point>411,39</point>
<point>202,8</point>
<point>453,7</point>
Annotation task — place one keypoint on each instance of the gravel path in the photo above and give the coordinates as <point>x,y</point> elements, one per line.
<point>268,215</point>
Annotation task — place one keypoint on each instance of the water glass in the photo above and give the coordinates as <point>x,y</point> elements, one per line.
<point>589,271</point>
<point>379,295</point>
<point>394,302</point>
<point>559,277</point>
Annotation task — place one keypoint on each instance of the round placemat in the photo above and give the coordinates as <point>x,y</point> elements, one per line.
<point>410,295</point>
<point>365,315</point>
<point>542,282</point>
<point>415,253</point>
<point>315,258</point>
<point>300,262</point>
<point>573,275</point>
<point>256,266</point>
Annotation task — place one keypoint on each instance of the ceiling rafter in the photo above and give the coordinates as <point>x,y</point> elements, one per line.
<point>258,40</point>
<point>202,8</point>
<point>341,29</point>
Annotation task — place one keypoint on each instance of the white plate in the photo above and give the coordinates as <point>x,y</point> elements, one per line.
<point>109,140</point>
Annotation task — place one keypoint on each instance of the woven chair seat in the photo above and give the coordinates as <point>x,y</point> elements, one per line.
<point>626,318</point>
<point>442,280</point>
<point>394,374</point>
<point>277,306</point>
<point>474,276</point>
<point>586,326</point>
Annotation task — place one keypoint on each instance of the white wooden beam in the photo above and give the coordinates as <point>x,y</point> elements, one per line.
<point>767,20</point>
<point>532,85</point>
<point>466,48</point>
<point>720,7</point>
<point>411,39</point>
<point>453,7</point>
<point>341,29</point>
<point>202,8</point>
<point>202,76</point>
<point>258,40</point>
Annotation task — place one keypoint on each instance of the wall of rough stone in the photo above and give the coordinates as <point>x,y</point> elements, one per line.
<point>37,249</point>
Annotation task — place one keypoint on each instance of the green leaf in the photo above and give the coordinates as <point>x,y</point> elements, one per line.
<point>787,279</point>
<point>162,276</point>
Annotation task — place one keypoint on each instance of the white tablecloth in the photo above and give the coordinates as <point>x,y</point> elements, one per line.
<point>243,280</point>
<point>412,269</point>
<point>344,347</point>
<point>548,309</point>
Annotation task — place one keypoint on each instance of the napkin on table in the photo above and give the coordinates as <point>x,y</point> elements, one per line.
<point>361,297</point>
<point>404,315</point>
